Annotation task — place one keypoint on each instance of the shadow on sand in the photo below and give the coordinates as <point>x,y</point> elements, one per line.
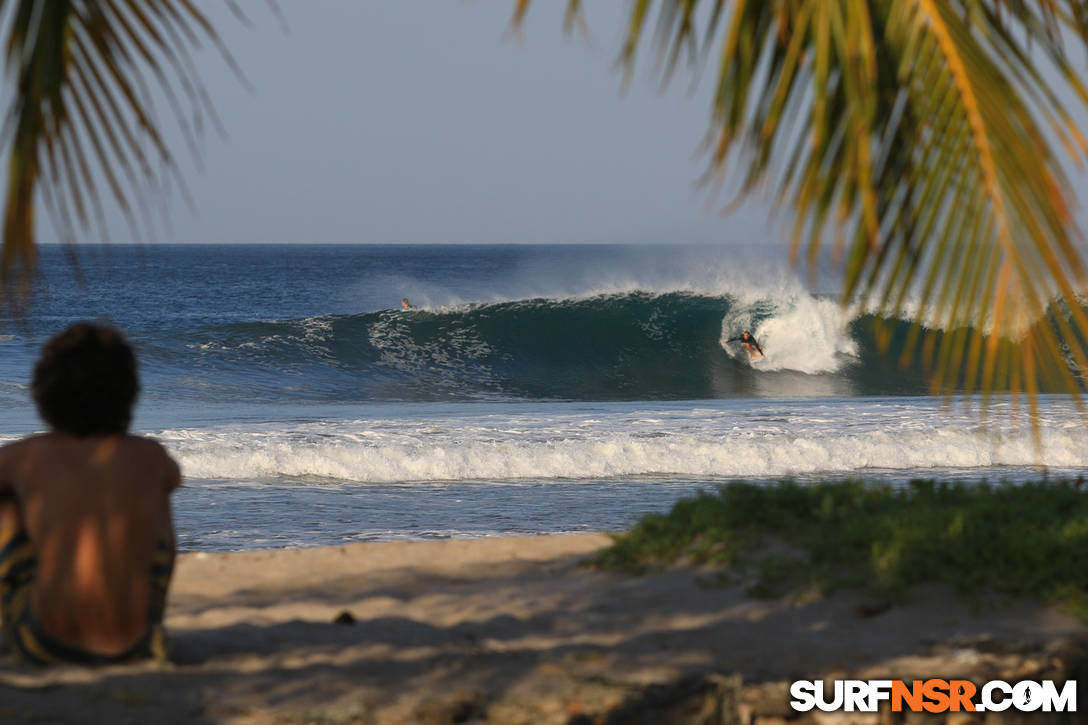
<point>532,642</point>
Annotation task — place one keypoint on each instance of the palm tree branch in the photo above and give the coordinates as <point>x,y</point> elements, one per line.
<point>924,144</point>
<point>936,25</point>
<point>83,120</point>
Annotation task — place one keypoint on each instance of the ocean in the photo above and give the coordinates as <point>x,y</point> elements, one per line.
<point>532,389</point>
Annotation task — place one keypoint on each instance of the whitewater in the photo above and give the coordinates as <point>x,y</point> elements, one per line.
<point>798,438</point>
<point>532,389</point>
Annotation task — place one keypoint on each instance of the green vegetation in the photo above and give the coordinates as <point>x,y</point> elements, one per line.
<point>1012,540</point>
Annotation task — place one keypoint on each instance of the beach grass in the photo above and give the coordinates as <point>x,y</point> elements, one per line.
<point>986,540</point>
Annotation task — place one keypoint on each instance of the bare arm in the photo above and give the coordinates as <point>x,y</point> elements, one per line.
<point>7,484</point>
<point>173,472</point>
<point>173,475</point>
<point>164,468</point>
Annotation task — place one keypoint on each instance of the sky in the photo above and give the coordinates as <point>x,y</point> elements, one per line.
<point>430,122</point>
<point>424,121</point>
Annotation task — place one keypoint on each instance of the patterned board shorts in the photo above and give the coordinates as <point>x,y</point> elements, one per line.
<point>23,632</point>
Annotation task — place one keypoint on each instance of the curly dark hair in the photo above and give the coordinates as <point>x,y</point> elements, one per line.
<point>85,382</point>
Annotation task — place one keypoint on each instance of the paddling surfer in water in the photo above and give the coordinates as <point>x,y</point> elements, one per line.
<point>749,342</point>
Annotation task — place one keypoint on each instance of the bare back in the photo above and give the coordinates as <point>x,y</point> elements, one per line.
<point>94,509</point>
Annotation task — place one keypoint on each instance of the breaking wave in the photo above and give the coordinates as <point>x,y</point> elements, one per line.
<point>620,346</point>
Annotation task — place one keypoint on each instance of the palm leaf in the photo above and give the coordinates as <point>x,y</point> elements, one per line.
<point>83,125</point>
<point>920,136</point>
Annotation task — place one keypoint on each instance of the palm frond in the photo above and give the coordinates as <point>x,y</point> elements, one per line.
<point>83,125</point>
<point>919,136</point>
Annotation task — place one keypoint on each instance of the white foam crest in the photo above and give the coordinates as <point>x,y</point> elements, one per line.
<point>703,443</point>
<point>747,272</point>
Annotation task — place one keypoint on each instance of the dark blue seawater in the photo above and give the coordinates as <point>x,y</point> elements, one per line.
<point>530,389</point>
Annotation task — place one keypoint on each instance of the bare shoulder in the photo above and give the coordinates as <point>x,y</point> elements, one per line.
<point>148,449</point>
<point>154,453</point>
<point>144,445</point>
<point>17,450</point>
<point>14,456</point>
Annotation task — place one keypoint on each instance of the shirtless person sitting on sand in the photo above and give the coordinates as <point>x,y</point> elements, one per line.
<point>86,539</point>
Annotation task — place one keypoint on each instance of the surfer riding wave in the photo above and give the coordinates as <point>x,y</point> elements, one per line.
<point>749,342</point>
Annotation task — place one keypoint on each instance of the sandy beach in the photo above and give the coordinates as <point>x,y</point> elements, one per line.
<point>499,630</point>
